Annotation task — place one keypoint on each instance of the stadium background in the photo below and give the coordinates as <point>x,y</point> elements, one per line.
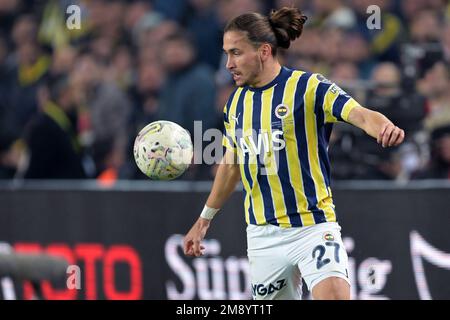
<point>72,101</point>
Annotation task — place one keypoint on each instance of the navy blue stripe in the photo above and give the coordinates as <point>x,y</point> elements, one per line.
<point>328,131</point>
<point>322,141</point>
<point>323,156</point>
<point>282,164</point>
<point>300,133</point>
<point>269,210</point>
<point>338,105</point>
<point>238,134</point>
<point>321,90</point>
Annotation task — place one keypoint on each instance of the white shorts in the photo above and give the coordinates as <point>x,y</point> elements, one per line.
<point>280,257</point>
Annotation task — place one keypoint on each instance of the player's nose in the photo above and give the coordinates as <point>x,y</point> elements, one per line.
<point>230,64</point>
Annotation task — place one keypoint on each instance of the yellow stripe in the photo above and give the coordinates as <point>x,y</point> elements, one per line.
<point>230,128</point>
<point>271,164</point>
<point>257,199</point>
<point>293,160</point>
<point>232,111</point>
<point>328,101</point>
<point>329,212</point>
<point>348,106</point>
<point>313,154</point>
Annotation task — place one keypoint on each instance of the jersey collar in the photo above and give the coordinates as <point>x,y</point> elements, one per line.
<point>284,73</point>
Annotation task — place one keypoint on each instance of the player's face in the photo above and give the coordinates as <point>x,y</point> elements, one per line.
<point>243,61</point>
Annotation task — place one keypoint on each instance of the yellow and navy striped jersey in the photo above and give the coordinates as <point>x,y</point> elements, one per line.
<point>280,133</point>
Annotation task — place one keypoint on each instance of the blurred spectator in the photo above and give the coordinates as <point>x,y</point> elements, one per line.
<point>108,108</point>
<point>144,95</point>
<point>156,31</point>
<point>9,10</point>
<point>173,10</point>
<point>405,111</point>
<point>53,30</point>
<point>424,43</point>
<point>63,61</point>
<point>189,92</point>
<point>333,14</point>
<point>436,87</point>
<point>110,160</point>
<point>10,154</point>
<point>445,42</point>
<point>51,139</point>
<point>439,165</point>
<point>24,30</point>
<point>135,12</point>
<point>27,72</point>
<point>425,27</point>
<point>355,49</point>
<point>147,93</point>
<point>204,25</point>
<point>6,113</point>
<point>346,74</point>
<point>231,8</point>
<point>384,40</point>
<point>330,46</point>
<point>409,9</point>
<point>9,132</point>
<point>130,64</point>
<point>341,152</point>
<point>121,69</point>
<point>345,71</point>
<point>387,97</point>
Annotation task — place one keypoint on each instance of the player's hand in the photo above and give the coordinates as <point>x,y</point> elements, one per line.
<point>192,241</point>
<point>391,136</point>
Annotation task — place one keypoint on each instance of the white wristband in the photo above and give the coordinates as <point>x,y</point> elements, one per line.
<point>208,213</point>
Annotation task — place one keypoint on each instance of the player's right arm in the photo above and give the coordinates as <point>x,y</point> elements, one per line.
<point>227,177</point>
<point>338,105</point>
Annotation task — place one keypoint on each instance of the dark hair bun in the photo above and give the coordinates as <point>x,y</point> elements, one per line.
<point>287,23</point>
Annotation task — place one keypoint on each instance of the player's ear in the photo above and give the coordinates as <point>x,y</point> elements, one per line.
<point>265,51</point>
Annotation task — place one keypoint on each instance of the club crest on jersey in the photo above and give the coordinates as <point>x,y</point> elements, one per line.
<point>328,236</point>
<point>281,111</point>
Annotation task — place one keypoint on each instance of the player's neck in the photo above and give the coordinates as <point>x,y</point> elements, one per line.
<point>268,74</point>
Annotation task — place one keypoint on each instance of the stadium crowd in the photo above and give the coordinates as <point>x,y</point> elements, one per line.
<point>73,100</point>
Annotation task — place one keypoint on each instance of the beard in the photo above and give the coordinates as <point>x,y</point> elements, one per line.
<point>250,80</point>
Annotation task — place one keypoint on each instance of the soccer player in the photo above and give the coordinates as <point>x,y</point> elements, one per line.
<point>277,126</point>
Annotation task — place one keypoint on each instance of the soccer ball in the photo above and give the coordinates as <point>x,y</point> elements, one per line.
<point>163,150</point>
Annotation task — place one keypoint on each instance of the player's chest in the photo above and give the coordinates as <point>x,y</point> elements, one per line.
<point>281,116</point>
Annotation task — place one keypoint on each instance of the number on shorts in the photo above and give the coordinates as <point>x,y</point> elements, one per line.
<point>321,252</point>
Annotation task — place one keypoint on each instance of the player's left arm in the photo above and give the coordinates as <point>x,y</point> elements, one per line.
<point>377,126</point>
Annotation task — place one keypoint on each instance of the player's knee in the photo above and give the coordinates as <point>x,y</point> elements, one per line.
<point>332,288</point>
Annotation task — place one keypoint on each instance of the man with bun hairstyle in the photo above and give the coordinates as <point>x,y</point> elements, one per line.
<point>277,127</point>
